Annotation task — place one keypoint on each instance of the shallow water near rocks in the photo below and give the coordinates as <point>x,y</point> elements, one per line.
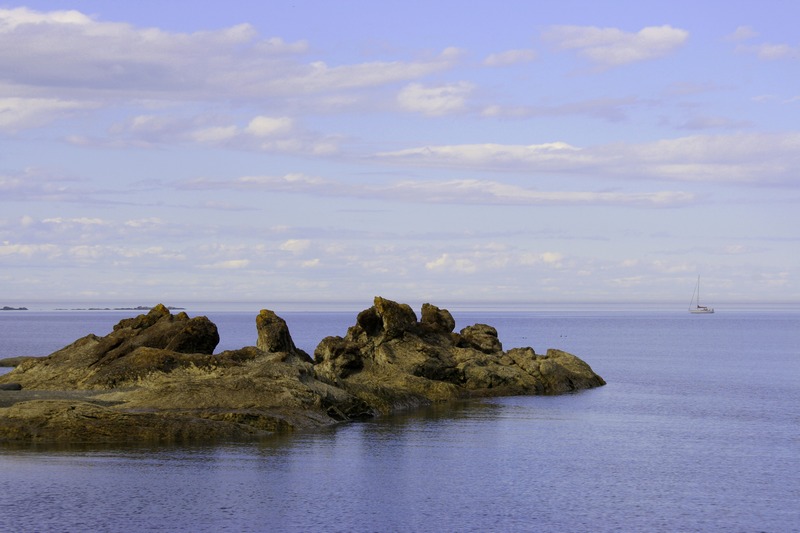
<point>698,429</point>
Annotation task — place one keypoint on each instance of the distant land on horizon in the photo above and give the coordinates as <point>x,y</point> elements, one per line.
<point>355,306</point>
<point>137,308</point>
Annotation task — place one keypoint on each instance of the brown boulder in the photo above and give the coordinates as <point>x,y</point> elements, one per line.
<point>274,336</point>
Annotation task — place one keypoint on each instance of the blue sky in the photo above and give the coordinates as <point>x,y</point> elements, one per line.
<point>316,151</point>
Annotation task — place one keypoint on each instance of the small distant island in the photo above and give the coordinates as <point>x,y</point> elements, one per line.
<point>137,308</point>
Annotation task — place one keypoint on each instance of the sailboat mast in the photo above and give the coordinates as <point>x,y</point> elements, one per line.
<point>698,290</point>
<point>694,305</point>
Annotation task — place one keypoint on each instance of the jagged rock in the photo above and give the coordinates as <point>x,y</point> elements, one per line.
<point>390,356</point>
<point>157,341</point>
<point>439,320</point>
<point>274,336</point>
<point>481,337</point>
<point>155,377</point>
<point>338,358</point>
<point>394,318</point>
<point>159,329</point>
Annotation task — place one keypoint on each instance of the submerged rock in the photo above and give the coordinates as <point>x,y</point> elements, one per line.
<point>155,377</point>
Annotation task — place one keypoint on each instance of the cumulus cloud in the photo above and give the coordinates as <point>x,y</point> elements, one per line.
<point>263,126</point>
<point>94,54</point>
<point>318,77</point>
<point>9,249</point>
<point>435,101</point>
<point>742,33</point>
<point>263,133</point>
<point>492,257</point>
<point>229,264</point>
<point>445,261</point>
<point>552,155</point>
<point>509,57</point>
<point>294,182</point>
<point>101,59</point>
<point>737,158</point>
<point>214,134</point>
<point>295,245</point>
<point>771,51</point>
<point>612,47</point>
<point>22,113</point>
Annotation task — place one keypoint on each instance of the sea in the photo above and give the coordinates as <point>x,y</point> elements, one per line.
<point>698,429</point>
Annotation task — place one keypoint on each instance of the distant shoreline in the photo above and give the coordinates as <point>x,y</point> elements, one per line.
<point>137,308</point>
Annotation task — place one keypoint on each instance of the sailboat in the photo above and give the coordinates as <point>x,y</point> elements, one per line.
<point>694,305</point>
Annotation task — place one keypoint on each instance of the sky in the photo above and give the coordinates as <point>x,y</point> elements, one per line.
<point>443,152</point>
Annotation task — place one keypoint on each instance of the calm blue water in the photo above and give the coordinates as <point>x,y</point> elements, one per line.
<point>698,429</point>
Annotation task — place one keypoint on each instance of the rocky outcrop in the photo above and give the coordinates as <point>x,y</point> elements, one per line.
<point>155,377</point>
<point>392,361</point>
<point>157,341</point>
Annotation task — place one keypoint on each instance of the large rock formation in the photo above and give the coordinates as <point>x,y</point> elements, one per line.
<point>392,361</point>
<point>155,377</point>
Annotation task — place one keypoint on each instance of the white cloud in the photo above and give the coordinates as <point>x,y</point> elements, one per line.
<point>144,223</point>
<point>86,252</point>
<point>742,33</point>
<point>261,133</point>
<point>434,101</point>
<point>493,257</point>
<point>509,57</point>
<point>487,154</point>
<point>263,126</point>
<point>23,113</point>
<point>736,158</point>
<point>612,47</point>
<point>446,262</point>
<point>229,264</point>
<point>8,249</point>
<point>771,52</point>
<point>215,134</point>
<point>295,246</point>
<point>70,222</point>
<point>552,257</point>
<point>93,59</point>
<point>455,191</point>
<point>318,77</point>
